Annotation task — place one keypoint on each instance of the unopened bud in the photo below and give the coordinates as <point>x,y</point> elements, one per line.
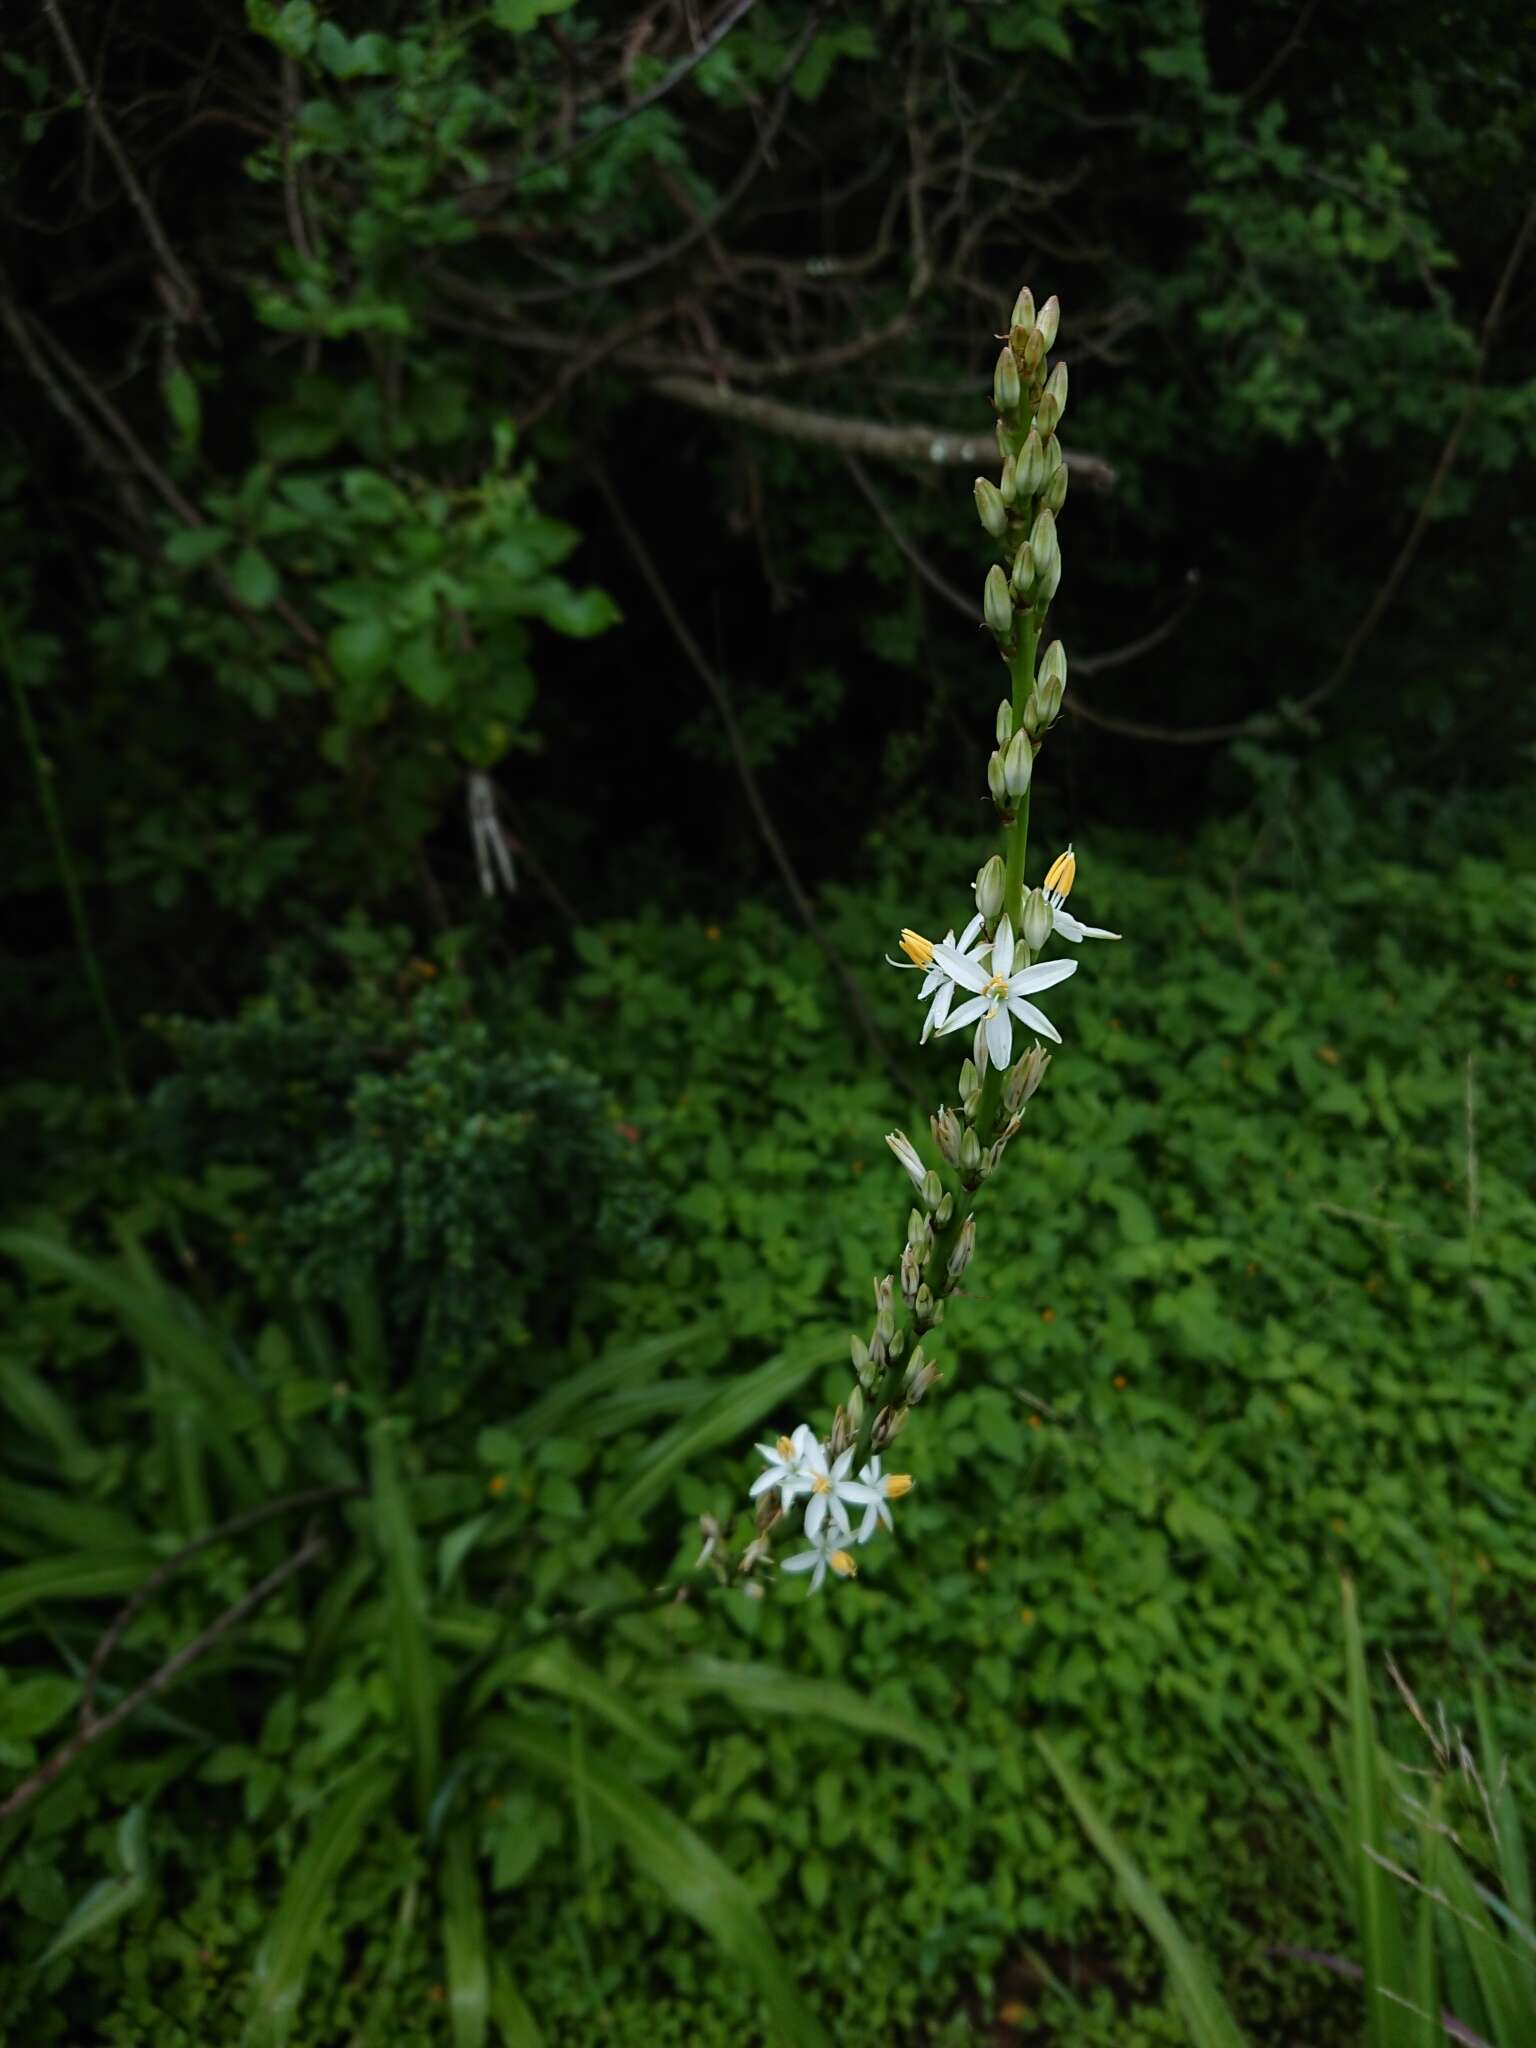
<point>885,1321</point>
<point>1048,319</point>
<point>1024,1077</point>
<point>979,1052</point>
<point>860,1351</point>
<point>898,1343</point>
<point>1005,382</point>
<point>1004,723</point>
<point>965,1246</point>
<point>970,1090</point>
<point>944,1211</point>
<point>970,1154</point>
<point>1022,581</point>
<point>1018,764</point>
<point>920,1377</point>
<point>1035,924</point>
<point>1056,387</point>
<point>923,1308</point>
<point>1034,351</point>
<point>996,605</point>
<point>1029,469</point>
<point>1048,585</point>
<point>997,782</point>
<point>1054,662</point>
<point>1051,459</point>
<point>933,1189</point>
<point>1023,309</point>
<point>989,887</point>
<point>856,1408</point>
<point>919,1236</point>
<point>990,509</point>
<point>842,1435</point>
<point>1043,544</point>
<point>1005,488</point>
<point>1045,703</point>
<point>1047,413</point>
<point>1054,495</point>
<point>946,1135</point>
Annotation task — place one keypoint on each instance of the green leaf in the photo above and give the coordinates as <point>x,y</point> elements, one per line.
<point>519,2028</point>
<point>184,405</point>
<point>680,1863</point>
<point>28,1706</point>
<point>82,1575</point>
<point>555,1668</point>
<point>624,1365</point>
<point>519,16</point>
<point>293,1934</point>
<point>361,650</point>
<point>253,579</point>
<point>190,546</point>
<point>740,1403</point>
<point>109,1900</point>
<point>769,1689</point>
<point>467,1966</point>
<point>421,667</point>
<point>1206,2013</point>
<point>410,1652</point>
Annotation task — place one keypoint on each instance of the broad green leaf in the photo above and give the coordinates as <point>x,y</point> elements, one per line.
<point>29,1706</point>
<point>410,1651</point>
<point>253,579</point>
<point>421,667</point>
<point>680,1863</point>
<point>769,1689</point>
<point>361,649</point>
<point>467,1966</point>
<point>293,1934</point>
<point>109,1900</point>
<point>1206,2013</point>
<point>517,2025</point>
<point>190,546</point>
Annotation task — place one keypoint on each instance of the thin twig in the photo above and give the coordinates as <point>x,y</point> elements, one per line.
<point>161,1680</point>
<point>183,300</point>
<point>253,1518</point>
<point>721,698</point>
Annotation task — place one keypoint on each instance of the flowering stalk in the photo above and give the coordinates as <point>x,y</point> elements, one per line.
<point>986,978</point>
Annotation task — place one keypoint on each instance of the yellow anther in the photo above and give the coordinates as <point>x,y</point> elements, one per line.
<point>843,1565</point>
<point>996,986</point>
<point>786,1449</point>
<point>917,949</point>
<point>897,1483</point>
<point>1060,875</point>
<point>820,1484</point>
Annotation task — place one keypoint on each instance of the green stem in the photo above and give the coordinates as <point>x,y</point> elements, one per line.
<point>42,775</point>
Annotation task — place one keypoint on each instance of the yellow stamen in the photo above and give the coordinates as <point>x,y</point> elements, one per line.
<point>786,1449</point>
<point>897,1483</point>
<point>843,1565</point>
<point>1061,874</point>
<point>917,949</point>
<point>996,986</point>
<point>820,1485</point>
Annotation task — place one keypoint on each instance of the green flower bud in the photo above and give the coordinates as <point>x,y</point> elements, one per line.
<point>1034,351</point>
<point>1029,470</point>
<point>1054,496</point>
<point>1045,702</point>
<point>1035,924</point>
<point>970,1088</point>
<point>990,509</point>
<point>1048,585</point>
<point>925,1306</point>
<point>1048,320</point>
<point>860,1351</point>
<point>1051,459</point>
<point>1024,1078</point>
<point>1005,382</point>
<point>1018,764</point>
<point>1047,413</point>
<point>933,1194</point>
<point>970,1155</point>
<point>1022,581</point>
<point>944,1211</point>
<point>996,782</point>
<point>1018,338</point>
<point>1043,544</point>
<point>989,888</point>
<point>1004,723</point>
<point>1054,662</point>
<point>855,1409</point>
<point>919,1236</point>
<point>1005,489</point>
<point>1056,387</point>
<point>946,1135</point>
<point>996,605</point>
<point>965,1246</point>
<point>1023,309</point>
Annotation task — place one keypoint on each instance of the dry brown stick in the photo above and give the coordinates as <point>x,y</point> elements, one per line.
<point>925,446</point>
<point>253,1518</point>
<point>721,698</point>
<point>184,301</point>
<point>166,1676</point>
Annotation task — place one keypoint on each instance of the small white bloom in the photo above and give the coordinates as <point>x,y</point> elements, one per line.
<point>1000,996</point>
<point>886,1487</point>
<point>909,1156</point>
<point>1059,877</point>
<point>831,1490</point>
<point>786,1465</point>
<point>825,1551</point>
<point>938,981</point>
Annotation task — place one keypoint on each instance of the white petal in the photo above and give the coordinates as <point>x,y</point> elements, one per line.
<point>856,1491</point>
<point>869,1524</point>
<point>820,1572</point>
<point>966,1014</point>
<point>1044,974</point>
<point>1000,1035</point>
<point>969,973</point>
<point>815,1514</point>
<point>1002,950</point>
<point>802,1561</point>
<point>970,932</point>
<point>1035,1019</point>
<point>1075,932</point>
<point>803,1437</point>
<point>840,1469</point>
<point>767,1479</point>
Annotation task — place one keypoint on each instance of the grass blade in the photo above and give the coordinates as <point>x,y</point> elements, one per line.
<point>517,2025</point>
<point>555,1668</point>
<point>466,1963</point>
<point>1206,2013</point>
<point>283,1959</point>
<point>1377,1904</point>
<point>415,1678</point>
<point>681,1864</point>
<point>82,1575</point>
<point>738,1405</point>
<point>765,1689</point>
<point>624,1365</point>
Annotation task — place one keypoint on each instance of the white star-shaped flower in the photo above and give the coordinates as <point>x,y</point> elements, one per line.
<point>831,1490</point>
<point>938,982</point>
<point>786,1465</point>
<point>886,1487</point>
<point>1059,877</point>
<point>1000,995</point>
<point>824,1552</point>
